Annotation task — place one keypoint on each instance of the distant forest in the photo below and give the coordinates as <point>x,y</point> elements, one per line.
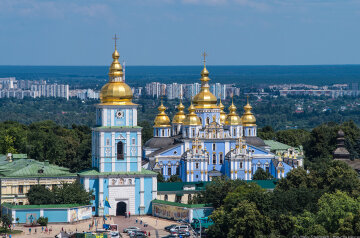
<point>279,113</point>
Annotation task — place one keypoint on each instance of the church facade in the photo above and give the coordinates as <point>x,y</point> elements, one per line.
<point>206,142</point>
<point>119,182</point>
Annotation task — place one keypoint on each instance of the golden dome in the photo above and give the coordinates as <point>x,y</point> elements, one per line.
<point>180,115</point>
<point>192,119</point>
<point>161,119</point>
<point>116,91</point>
<point>232,118</point>
<point>248,118</point>
<point>205,99</point>
<point>222,113</point>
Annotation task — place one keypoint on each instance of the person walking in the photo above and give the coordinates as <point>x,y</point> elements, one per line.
<point>129,214</point>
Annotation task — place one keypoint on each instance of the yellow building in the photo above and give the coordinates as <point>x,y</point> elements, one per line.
<point>18,174</point>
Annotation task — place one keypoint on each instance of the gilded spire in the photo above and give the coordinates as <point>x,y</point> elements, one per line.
<point>233,118</point>
<point>248,118</point>
<point>162,119</point>
<point>192,119</point>
<point>222,113</point>
<point>180,115</point>
<point>116,91</point>
<point>205,99</point>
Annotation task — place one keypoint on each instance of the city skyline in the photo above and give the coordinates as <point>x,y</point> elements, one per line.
<point>169,32</point>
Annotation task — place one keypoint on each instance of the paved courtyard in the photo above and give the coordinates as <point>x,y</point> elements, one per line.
<point>155,226</point>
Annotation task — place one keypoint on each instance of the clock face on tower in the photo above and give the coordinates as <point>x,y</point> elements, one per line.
<point>119,114</point>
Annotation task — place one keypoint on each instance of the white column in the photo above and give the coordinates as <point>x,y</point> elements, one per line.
<point>113,147</point>
<point>13,213</point>
<point>127,151</point>
<point>68,215</point>
<point>134,117</point>
<point>231,169</point>
<point>192,171</point>
<point>139,150</point>
<point>101,156</point>
<point>142,204</point>
<point>86,184</point>
<point>187,171</point>
<point>101,192</point>
<point>41,212</point>
<point>202,170</point>
<point>154,188</point>
<point>112,115</point>
<point>127,116</point>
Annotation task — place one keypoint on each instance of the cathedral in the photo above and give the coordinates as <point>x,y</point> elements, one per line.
<point>207,142</point>
<point>119,183</point>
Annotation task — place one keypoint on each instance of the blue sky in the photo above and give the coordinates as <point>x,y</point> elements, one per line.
<point>175,32</point>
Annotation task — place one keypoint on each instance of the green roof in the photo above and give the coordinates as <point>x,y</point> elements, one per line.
<point>177,187</point>
<point>181,204</point>
<point>117,127</point>
<point>24,168</point>
<point>95,172</point>
<point>275,145</point>
<point>8,205</point>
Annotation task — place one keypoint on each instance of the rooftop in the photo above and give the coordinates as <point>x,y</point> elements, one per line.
<point>21,167</point>
<point>275,145</point>
<point>95,172</point>
<point>181,204</point>
<point>11,206</point>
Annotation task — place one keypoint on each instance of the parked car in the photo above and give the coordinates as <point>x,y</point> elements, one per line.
<point>131,228</point>
<point>168,228</point>
<point>179,228</point>
<point>171,236</point>
<point>115,234</point>
<point>138,234</point>
<point>184,233</point>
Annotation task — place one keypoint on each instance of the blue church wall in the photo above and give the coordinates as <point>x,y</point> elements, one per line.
<point>137,196</point>
<point>148,195</point>
<point>120,166</point>
<point>287,168</point>
<point>105,195</point>
<point>21,214</point>
<point>133,167</point>
<point>56,215</point>
<point>94,185</point>
<point>107,167</point>
<point>171,151</point>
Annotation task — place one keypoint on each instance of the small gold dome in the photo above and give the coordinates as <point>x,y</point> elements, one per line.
<point>180,115</point>
<point>116,91</point>
<point>222,113</point>
<point>192,119</point>
<point>205,99</point>
<point>233,118</point>
<point>161,119</point>
<point>248,118</point>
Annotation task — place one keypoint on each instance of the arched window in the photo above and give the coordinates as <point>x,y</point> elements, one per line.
<point>189,197</point>
<point>120,150</point>
<point>169,170</point>
<point>165,197</point>
<point>214,146</point>
<point>163,132</point>
<point>207,121</point>
<point>220,158</point>
<point>214,158</point>
<point>156,132</point>
<point>234,131</point>
<point>178,170</point>
<point>241,165</point>
<point>193,132</point>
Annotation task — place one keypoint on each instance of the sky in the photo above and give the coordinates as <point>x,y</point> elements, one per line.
<point>176,32</point>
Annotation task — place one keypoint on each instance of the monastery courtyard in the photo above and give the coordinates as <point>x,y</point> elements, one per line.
<point>155,226</point>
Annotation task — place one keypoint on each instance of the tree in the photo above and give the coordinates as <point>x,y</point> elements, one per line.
<point>43,221</point>
<point>66,193</point>
<point>39,195</point>
<point>261,174</point>
<point>5,222</point>
<point>216,191</point>
<point>334,208</point>
<point>72,193</point>
<point>160,178</point>
<point>174,178</point>
<point>245,220</point>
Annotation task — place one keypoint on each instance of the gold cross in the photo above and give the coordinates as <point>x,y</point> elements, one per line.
<point>204,55</point>
<point>115,39</point>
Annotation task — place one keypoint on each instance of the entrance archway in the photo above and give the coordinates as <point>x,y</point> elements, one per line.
<point>120,209</point>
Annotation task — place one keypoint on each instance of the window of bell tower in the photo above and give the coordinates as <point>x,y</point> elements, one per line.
<point>120,150</point>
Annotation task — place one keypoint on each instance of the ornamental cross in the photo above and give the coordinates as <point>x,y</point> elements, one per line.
<point>204,55</point>
<point>115,39</point>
